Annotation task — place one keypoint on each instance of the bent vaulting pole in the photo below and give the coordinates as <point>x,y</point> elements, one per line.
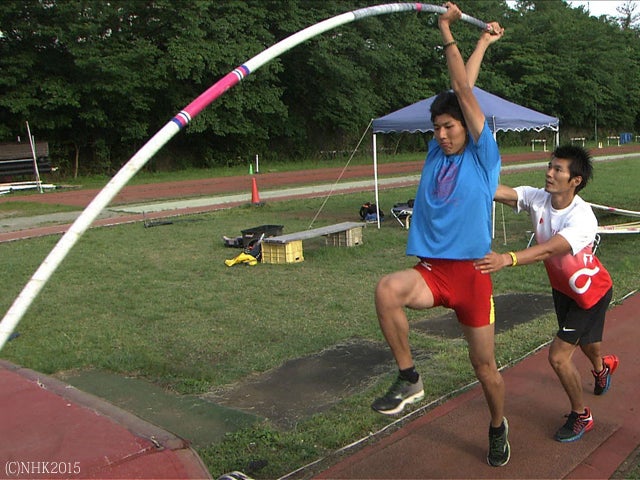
<point>177,123</point>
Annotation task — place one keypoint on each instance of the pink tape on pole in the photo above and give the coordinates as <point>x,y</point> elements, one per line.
<point>225,83</point>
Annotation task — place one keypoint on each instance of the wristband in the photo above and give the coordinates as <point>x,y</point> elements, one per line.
<point>514,259</point>
<point>448,44</point>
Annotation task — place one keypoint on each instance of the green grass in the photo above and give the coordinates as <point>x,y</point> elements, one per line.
<point>26,208</point>
<point>160,303</point>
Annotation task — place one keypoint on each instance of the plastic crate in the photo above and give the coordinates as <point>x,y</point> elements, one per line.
<point>348,238</point>
<point>282,252</point>
<point>254,233</point>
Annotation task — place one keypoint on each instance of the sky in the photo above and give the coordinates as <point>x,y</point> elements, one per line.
<point>599,7</point>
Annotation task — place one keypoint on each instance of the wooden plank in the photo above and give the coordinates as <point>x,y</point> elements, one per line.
<point>21,151</point>
<point>315,232</point>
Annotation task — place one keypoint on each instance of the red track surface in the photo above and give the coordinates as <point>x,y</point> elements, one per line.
<point>451,440</point>
<point>268,181</point>
<point>51,430</point>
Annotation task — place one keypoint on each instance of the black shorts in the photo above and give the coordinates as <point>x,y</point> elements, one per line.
<point>577,325</point>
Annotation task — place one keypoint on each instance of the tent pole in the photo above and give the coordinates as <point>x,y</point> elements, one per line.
<point>493,205</point>
<point>493,219</point>
<point>504,224</point>
<point>375,176</point>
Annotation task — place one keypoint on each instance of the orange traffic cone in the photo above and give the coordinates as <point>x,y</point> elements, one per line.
<point>255,197</point>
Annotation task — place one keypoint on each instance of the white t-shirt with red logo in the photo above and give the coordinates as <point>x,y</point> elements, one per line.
<point>578,274</point>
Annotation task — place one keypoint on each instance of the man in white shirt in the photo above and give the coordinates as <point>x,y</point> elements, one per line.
<point>565,229</point>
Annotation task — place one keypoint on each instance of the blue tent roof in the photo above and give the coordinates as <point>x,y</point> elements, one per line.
<point>501,114</point>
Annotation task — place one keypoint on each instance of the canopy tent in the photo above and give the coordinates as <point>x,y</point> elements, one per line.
<point>501,115</point>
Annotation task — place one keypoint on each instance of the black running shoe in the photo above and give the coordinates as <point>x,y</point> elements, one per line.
<point>576,426</point>
<point>499,448</point>
<point>603,378</point>
<point>234,476</point>
<point>401,393</point>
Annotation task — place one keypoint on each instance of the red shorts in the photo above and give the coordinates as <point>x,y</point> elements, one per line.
<point>456,284</point>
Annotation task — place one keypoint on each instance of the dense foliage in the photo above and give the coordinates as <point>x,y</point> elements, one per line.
<point>97,79</point>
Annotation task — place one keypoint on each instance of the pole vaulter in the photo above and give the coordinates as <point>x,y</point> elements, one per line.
<point>177,123</point>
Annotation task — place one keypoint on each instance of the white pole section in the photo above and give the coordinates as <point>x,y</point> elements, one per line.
<point>177,123</point>
<point>375,176</point>
<point>35,158</point>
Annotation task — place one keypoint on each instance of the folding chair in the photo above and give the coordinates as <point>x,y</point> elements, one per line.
<point>402,212</point>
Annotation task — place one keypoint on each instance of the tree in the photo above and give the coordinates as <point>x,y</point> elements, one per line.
<point>567,62</point>
<point>97,79</point>
<point>629,15</point>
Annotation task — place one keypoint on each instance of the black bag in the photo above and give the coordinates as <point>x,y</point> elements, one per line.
<point>368,212</point>
<point>254,247</point>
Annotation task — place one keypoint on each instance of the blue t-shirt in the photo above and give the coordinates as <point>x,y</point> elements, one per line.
<point>453,205</point>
